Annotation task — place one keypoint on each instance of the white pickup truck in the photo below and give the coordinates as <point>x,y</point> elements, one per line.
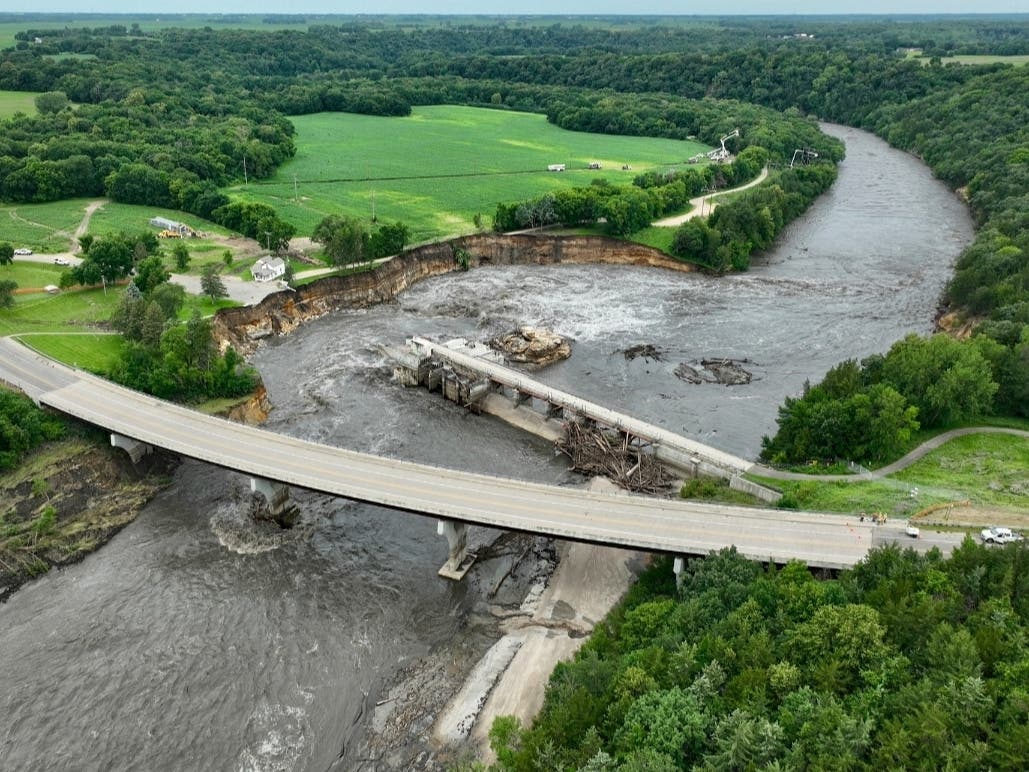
<point>999,535</point>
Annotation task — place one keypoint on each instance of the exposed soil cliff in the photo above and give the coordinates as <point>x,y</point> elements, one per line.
<point>281,313</point>
<point>67,499</point>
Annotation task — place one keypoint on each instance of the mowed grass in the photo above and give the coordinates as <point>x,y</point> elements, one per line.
<point>12,102</point>
<point>67,311</point>
<point>31,276</point>
<point>95,352</point>
<point>436,169</point>
<point>115,218</point>
<point>987,469</point>
<point>45,228</point>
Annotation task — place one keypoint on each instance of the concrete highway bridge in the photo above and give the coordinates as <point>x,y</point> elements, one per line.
<point>138,422</point>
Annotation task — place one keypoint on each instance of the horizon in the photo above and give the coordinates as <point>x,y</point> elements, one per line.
<point>522,8</point>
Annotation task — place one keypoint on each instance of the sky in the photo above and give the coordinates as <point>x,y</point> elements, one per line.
<point>514,7</point>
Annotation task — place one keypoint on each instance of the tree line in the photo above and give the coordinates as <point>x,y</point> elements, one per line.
<point>907,661</point>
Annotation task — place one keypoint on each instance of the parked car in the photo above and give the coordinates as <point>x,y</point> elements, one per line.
<point>23,251</point>
<point>61,261</point>
<point>999,535</point>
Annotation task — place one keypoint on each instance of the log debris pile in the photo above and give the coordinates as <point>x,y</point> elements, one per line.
<point>596,452</point>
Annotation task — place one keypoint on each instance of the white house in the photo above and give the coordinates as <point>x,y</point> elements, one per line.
<point>268,268</point>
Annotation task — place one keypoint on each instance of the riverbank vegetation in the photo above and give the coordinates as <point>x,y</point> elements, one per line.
<point>907,661</point>
<point>67,496</point>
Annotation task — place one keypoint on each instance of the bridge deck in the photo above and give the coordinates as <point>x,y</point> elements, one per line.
<point>673,526</point>
<point>637,428</point>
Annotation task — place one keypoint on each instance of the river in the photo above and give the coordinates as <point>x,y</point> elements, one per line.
<point>195,640</point>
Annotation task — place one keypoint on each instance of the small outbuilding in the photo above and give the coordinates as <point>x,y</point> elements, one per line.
<point>268,269</point>
<point>556,168</point>
<point>172,226</point>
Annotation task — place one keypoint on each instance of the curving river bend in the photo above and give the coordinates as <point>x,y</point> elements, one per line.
<point>197,641</point>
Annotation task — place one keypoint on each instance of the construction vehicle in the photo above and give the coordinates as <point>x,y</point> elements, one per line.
<point>803,155</point>
<point>720,154</point>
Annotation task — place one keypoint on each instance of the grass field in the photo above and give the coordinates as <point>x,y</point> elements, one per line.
<point>113,218</point>
<point>12,102</point>
<point>439,167</point>
<point>95,352</point>
<point>42,227</point>
<point>986,469</point>
<point>69,311</point>
<point>1018,60</point>
<point>31,276</point>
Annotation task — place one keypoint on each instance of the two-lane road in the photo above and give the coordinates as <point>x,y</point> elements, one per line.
<point>823,540</point>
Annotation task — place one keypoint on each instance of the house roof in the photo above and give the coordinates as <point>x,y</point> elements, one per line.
<point>273,263</point>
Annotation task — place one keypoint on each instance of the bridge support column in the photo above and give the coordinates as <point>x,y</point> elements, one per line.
<point>458,559</point>
<point>678,566</point>
<point>521,397</point>
<point>275,493</point>
<point>134,448</point>
<point>555,411</point>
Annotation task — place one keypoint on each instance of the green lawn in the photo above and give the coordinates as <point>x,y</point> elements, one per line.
<point>986,469</point>
<point>43,228</point>
<point>114,218</point>
<point>68,311</point>
<point>31,276</point>
<point>439,167</point>
<point>12,102</point>
<point>95,352</point>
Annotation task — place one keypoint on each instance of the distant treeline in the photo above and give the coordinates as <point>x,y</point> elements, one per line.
<point>192,103</point>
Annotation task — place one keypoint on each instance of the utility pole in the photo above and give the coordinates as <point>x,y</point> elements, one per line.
<point>244,170</point>
<point>268,240</point>
<point>296,196</point>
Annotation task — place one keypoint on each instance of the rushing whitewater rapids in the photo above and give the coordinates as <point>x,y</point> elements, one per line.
<point>195,640</point>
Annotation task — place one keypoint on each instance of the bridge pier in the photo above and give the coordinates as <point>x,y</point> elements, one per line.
<point>678,566</point>
<point>275,493</point>
<point>134,448</point>
<point>458,558</point>
<point>555,411</point>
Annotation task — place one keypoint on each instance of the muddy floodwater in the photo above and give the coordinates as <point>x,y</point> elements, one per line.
<point>197,640</point>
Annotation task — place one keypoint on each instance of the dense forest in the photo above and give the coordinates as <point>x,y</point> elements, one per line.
<point>906,662</point>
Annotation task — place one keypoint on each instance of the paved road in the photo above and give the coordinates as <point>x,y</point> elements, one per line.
<point>704,205</point>
<point>675,526</point>
<point>901,463</point>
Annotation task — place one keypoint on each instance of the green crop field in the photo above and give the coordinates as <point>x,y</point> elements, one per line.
<point>12,102</point>
<point>42,227</point>
<point>439,167</point>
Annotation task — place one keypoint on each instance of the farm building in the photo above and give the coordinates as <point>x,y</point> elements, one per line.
<point>171,225</point>
<point>268,268</point>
